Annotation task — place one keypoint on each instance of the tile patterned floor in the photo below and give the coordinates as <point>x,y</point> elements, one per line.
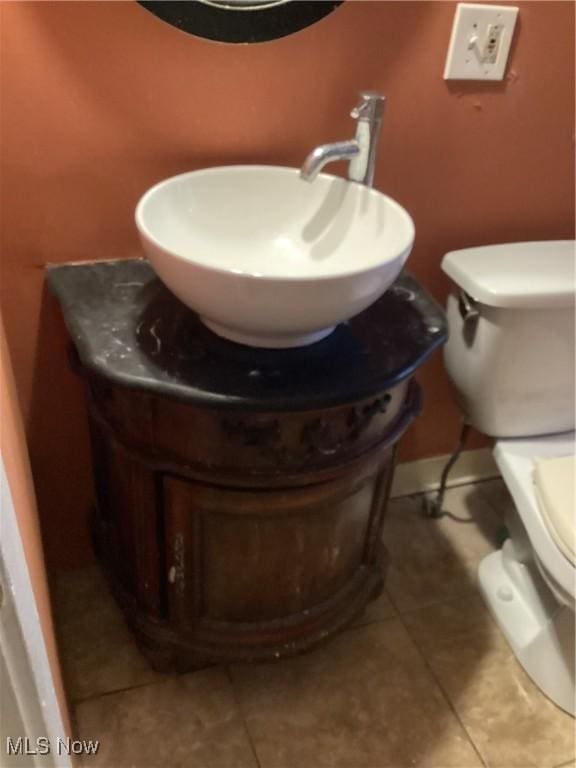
<point>423,679</point>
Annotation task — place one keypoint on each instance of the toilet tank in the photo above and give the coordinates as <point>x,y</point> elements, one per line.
<point>510,352</point>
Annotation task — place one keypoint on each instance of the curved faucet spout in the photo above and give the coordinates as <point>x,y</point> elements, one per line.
<point>361,151</point>
<point>327,153</point>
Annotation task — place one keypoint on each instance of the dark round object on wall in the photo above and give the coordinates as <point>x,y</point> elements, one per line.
<point>241,21</point>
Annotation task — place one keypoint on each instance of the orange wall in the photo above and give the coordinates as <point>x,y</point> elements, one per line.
<point>100,100</point>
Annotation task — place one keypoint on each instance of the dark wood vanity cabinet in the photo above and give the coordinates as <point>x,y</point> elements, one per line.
<point>250,536</point>
<point>240,493</point>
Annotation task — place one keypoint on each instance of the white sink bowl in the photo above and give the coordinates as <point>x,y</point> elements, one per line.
<point>268,259</point>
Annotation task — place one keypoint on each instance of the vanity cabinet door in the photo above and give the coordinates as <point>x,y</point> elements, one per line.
<point>235,556</point>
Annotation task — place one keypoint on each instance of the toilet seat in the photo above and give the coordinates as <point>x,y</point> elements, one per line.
<point>554,482</point>
<point>516,461</point>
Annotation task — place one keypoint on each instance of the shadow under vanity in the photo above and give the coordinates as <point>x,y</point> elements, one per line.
<point>241,492</point>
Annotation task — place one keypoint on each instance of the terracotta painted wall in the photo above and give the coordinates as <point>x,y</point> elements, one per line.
<point>100,100</point>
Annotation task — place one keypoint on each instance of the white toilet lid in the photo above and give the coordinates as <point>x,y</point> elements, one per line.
<point>555,490</point>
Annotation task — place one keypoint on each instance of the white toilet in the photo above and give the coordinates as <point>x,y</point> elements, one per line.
<point>511,357</point>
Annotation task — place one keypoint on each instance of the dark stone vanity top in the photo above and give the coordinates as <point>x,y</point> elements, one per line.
<point>127,327</point>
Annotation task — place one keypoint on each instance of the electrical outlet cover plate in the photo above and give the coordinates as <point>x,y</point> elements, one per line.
<point>470,54</point>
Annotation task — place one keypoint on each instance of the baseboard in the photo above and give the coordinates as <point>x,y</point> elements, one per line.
<point>424,475</point>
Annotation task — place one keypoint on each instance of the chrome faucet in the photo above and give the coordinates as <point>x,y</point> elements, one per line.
<point>360,152</point>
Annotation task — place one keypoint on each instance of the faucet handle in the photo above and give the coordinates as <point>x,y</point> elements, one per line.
<point>370,107</point>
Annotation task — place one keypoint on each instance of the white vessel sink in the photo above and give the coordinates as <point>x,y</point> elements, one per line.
<point>268,259</point>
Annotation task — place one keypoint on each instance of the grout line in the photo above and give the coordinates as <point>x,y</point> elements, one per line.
<point>242,716</point>
<point>358,623</point>
<point>392,602</point>
<point>469,591</point>
<point>445,695</point>
<point>356,627</point>
<point>101,694</point>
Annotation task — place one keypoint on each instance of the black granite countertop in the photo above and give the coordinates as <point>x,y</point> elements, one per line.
<point>127,327</point>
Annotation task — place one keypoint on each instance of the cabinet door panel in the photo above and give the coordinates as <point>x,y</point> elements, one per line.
<point>241,556</point>
<point>265,567</point>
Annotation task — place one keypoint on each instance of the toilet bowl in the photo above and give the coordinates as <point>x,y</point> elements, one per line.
<point>530,584</point>
<point>510,356</point>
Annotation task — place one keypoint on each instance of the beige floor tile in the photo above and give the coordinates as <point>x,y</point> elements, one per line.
<point>510,721</point>
<point>190,721</point>
<point>98,652</point>
<point>434,560</point>
<point>365,700</point>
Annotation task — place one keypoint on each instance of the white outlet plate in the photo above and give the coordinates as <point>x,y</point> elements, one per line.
<point>468,53</point>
